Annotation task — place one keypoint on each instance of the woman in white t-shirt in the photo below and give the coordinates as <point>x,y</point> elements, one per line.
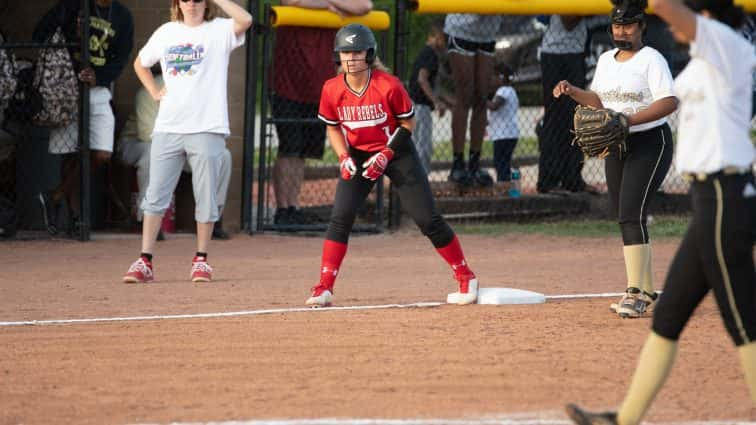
<point>635,80</point>
<point>716,152</point>
<point>192,123</point>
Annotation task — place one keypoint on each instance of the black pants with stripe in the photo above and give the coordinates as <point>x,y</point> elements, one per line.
<point>409,179</point>
<point>715,254</point>
<point>634,179</point>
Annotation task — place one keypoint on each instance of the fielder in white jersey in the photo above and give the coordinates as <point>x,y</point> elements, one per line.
<point>715,151</point>
<point>635,80</point>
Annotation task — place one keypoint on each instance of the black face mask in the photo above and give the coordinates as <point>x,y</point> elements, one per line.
<point>623,44</point>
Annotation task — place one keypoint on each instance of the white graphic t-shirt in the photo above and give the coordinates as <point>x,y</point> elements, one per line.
<point>633,85</point>
<point>194,61</point>
<point>502,122</point>
<point>715,101</point>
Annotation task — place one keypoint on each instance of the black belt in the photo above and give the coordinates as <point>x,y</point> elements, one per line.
<point>727,171</point>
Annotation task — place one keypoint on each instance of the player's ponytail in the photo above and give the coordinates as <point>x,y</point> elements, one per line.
<point>734,16</point>
<point>724,11</point>
<point>378,64</point>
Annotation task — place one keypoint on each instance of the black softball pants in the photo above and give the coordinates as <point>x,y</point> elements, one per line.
<point>409,179</point>
<point>633,180</point>
<point>715,254</point>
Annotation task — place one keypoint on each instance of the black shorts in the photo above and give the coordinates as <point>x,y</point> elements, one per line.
<point>469,48</point>
<point>304,135</point>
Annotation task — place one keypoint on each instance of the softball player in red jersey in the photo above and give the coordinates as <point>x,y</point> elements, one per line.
<point>370,121</point>
<point>714,149</point>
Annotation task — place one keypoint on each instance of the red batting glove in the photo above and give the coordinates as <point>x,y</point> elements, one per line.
<point>348,168</point>
<point>376,165</point>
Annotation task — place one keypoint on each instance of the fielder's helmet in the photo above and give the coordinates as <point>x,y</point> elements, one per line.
<point>355,38</point>
<point>627,12</point>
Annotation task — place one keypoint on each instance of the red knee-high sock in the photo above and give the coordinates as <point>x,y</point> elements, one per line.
<point>453,255</point>
<point>333,254</point>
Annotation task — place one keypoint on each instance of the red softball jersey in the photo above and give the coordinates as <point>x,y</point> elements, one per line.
<point>367,118</point>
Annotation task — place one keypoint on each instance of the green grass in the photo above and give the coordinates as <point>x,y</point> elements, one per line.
<point>660,227</point>
<point>443,150</point>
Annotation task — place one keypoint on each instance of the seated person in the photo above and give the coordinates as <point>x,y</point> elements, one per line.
<point>134,149</point>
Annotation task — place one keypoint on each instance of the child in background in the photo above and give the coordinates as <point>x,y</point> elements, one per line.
<point>422,85</point>
<point>502,122</point>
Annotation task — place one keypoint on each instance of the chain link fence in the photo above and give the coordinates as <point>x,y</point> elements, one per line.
<point>41,176</point>
<point>495,141</point>
<point>299,170</point>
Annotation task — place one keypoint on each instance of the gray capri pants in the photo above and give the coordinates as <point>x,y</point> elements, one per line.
<point>204,153</point>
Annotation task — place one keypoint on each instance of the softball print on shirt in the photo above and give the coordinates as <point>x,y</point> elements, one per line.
<point>182,59</point>
<point>194,61</point>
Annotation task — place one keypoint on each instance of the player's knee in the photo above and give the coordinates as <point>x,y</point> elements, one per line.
<point>666,326</point>
<point>436,229</point>
<point>633,232</point>
<point>340,226</point>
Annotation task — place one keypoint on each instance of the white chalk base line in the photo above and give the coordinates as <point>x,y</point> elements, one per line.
<point>261,312</point>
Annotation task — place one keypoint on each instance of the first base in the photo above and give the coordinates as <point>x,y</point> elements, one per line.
<point>509,296</point>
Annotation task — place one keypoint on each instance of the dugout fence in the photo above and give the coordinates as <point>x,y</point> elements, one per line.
<point>535,51</point>
<point>547,184</point>
<point>554,178</point>
<point>46,183</point>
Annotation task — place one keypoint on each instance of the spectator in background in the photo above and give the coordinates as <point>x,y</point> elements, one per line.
<point>193,50</point>
<point>422,91</point>
<point>502,122</point>
<point>562,58</point>
<point>134,149</point>
<point>111,39</point>
<point>471,56</point>
<point>302,62</point>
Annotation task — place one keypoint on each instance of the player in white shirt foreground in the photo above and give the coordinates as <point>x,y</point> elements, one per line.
<point>635,80</point>
<point>714,149</point>
<point>192,123</point>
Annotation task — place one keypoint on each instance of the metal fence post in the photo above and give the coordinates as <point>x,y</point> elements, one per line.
<point>262,169</point>
<point>85,222</point>
<point>250,112</point>
<point>400,68</point>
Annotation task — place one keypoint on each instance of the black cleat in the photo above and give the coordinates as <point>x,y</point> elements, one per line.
<point>219,233</point>
<point>582,417</point>
<point>481,178</point>
<point>460,176</point>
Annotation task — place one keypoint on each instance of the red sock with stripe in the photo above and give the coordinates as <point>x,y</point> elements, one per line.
<point>333,255</point>
<point>453,255</point>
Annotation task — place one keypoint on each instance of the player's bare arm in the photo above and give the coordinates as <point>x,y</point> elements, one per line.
<point>336,140</point>
<point>583,97</point>
<point>147,80</point>
<point>242,18</point>
<point>341,7</point>
<point>495,103</point>
<point>423,80</point>
<point>409,124</point>
<point>679,17</point>
<point>352,7</point>
<point>657,110</point>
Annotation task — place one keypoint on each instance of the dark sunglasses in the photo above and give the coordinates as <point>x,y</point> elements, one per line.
<point>196,1</point>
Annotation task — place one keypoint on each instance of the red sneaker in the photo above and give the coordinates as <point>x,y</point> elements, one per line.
<point>201,271</point>
<point>139,272</point>
<point>321,296</point>
<point>468,290</point>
